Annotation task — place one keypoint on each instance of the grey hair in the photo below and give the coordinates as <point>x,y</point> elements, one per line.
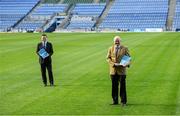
<point>117,37</point>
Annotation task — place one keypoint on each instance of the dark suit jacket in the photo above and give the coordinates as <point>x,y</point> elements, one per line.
<point>49,49</point>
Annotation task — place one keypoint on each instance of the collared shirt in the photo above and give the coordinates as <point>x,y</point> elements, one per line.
<point>44,44</point>
<point>116,49</point>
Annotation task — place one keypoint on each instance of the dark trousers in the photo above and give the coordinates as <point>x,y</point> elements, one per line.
<point>43,73</point>
<point>116,79</point>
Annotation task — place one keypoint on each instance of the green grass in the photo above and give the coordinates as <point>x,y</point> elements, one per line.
<point>81,73</point>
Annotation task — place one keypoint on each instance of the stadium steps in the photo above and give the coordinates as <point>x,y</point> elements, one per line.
<point>105,13</point>
<point>49,23</point>
<point>21,20</point>
<point>61,2</point>
<point>171,14</point>
<point>66,21</point>
<point>96,1</point>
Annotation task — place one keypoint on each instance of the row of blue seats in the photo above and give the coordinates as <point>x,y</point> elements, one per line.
<point>142,1</point>
<point>10,16</point>
<point>138,9</point>
<point>132,23</point>
<point>19,0</point>
<point>143,8</point>
<point>155,19</point>
<point>49,9</point>
<point>89,9</point>
<point>29,26</point>
<point>7,24</point>
<point>115,20</point>
<point>135,17</point>
<point>54,5</point>
<point>13,10</point>
<point>81,24</point>
<point>91,14</point>
<point>137,13</point>
<point>16,3</point>
<point>141,4</point>
<point>131,26</point>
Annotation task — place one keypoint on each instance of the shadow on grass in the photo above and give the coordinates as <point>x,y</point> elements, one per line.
<point>149,105</point>
<point>159,105</point>
<point>51,86</point>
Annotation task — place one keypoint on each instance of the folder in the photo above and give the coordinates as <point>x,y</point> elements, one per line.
<point>42,52</point>
<point>125,60</point>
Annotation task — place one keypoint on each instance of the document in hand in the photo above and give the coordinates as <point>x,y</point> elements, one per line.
<point>42,52</point>
<point>125,60</point>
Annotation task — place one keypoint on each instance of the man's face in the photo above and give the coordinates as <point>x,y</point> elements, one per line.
<point>117,41</point>
<point>43,38</point>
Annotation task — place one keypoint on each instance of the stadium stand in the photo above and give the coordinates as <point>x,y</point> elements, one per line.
<point>11,11</point>
<point>176,22</point>
<point>85,16</point>
<point>129,15</point>
<point>40,16</point>
<point>137,15</point>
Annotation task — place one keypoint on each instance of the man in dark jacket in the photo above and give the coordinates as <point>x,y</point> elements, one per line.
<point>45,62</point>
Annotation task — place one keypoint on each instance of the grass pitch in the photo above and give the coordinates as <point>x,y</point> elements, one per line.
<point>81,74</point>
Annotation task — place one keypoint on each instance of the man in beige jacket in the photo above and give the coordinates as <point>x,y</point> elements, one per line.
<point>117,71</point>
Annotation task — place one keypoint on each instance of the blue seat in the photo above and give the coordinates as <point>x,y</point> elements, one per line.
<point>136,14</point>
<point>13,10</point>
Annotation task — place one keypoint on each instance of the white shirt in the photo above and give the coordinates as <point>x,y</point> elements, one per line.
<point>44,43</point>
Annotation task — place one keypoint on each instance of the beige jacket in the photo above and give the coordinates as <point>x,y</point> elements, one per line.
<point>111,58</point>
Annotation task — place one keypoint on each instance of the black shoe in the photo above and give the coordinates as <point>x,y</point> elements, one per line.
<point>51,84</point>
<point>115,103</point>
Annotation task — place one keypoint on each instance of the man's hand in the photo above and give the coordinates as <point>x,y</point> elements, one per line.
<point>116,64</point>
<point>126,65</point>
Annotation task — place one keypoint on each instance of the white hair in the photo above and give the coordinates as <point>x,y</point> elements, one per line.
<point>117,37</point>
